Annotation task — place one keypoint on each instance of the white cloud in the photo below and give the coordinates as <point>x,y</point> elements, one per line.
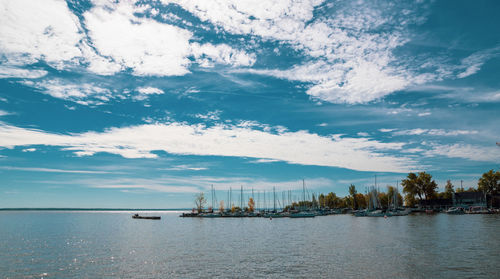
<point>116,40</point>
<point>149,47</point>
<point>144,45</point>
<point>434,132</point>
<point>349,62</point>
<point>363,134</point>
<point>39,30</point>
<point>149,90</point>
<point>299,147</point>
<point>211,115</point>
<point>424,114</point>
<point>14,72</point>
<point>259,161</point>
<point>207,54</point>
<point>144,92</point>
<point>383,130</point>
<point>466,151</point>
<point>52,170</point>
<point>82,93</point>
<point>29,150</point>
<point>3,112</point>
<point>185,167</point>
<point>195,184</point>
<point>473,62</point>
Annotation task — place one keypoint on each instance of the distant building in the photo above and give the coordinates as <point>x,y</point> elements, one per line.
<point>468,199</point>
<point>463,199</point>
<point>436,204</point>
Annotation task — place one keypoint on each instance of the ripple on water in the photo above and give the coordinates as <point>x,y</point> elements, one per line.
<point>113,245</point>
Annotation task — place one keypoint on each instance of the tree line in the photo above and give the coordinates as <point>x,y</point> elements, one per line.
<point>416,187</point>
<point>420,186</point>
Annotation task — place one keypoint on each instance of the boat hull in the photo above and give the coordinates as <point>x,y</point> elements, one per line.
<point>147,217</point>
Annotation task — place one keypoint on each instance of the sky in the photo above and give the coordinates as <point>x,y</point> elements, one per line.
<point>143,104</point>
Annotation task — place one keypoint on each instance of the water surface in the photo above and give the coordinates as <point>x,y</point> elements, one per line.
<point>35,244</point>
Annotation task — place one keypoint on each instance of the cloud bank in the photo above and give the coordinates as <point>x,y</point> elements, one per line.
<point>243,140</point>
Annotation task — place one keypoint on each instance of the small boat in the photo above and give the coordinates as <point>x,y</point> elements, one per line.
<point>455,211</point>
<point>137,216</point>
<point>477,210</point>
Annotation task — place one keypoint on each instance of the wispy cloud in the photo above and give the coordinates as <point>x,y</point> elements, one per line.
<point>239,140</point>
<point>434,132</point>
<point>211,115</point>
<point>466,151</point>
<point>53,170</point>
<point>259,161</point>
<point>3,112</point>
<point>14,72</point>
<point>81,93</point>
<point>424,114</point>
<point>473,63</point>
<point>196,184</point>
<point>185,167</point>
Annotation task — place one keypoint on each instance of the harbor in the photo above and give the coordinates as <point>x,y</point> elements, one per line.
<point>374,203</point>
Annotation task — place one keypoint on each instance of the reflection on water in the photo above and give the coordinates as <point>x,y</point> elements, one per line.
<point>112,244</point>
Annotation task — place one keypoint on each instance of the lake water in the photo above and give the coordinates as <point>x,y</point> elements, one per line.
<point>35,244</point>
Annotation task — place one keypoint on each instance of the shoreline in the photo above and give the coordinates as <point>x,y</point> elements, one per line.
<point>93,209</point>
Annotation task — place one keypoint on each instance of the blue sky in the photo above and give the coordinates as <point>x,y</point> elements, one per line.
<point>141,104</point>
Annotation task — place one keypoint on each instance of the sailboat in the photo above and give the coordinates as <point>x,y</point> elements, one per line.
<point>394,210</point>
<point>302,213</point>
<point>374,205</point>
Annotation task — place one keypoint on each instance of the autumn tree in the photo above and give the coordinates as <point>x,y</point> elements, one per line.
<point>200,201</point>
<point>384,199</point>
<point>221,206</point>
<point>251,205</point>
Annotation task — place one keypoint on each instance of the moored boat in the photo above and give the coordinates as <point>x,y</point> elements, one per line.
<point>455,211</point>
<point>137,216</point>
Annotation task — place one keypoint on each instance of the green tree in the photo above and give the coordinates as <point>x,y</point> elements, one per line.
<point>322,200</point>
<point>420,185</point>
<point>331,200</point>
<point>352,193</point>
<point>200,201</point>
<point>361,201</point>
<point>449,189</point>
<point>489,182</point>
<point>410,187</point>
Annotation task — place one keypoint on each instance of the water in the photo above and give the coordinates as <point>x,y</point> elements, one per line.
<point>44,244</point>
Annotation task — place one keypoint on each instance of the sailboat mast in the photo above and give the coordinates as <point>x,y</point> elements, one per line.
<point>212,194</point>
<point>303,190</point>
<point>274,198</point>
<point>265,204</point>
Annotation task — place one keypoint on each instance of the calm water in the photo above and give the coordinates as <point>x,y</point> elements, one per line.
<point>113,245</point>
